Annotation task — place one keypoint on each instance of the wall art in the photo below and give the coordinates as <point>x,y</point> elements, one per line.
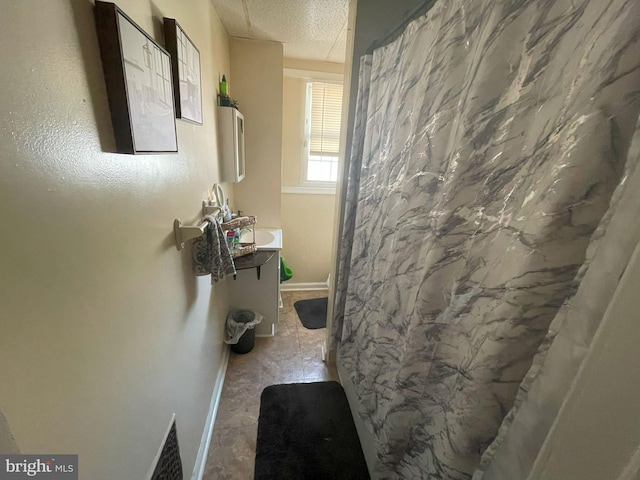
<point>185,67</point>
<point>139,84</point>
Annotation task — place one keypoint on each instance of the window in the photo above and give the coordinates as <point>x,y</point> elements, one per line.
<point>322,133</point>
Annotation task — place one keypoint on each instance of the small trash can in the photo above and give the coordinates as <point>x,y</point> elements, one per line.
<point>246,342</point>
<point>240,330</point>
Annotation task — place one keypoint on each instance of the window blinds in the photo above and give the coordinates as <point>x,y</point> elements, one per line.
<point>326,108</point>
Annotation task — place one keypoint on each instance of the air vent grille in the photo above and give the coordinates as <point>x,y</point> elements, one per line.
<point>169,466</point>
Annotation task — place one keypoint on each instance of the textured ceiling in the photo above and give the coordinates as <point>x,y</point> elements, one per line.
<point>309,29</point>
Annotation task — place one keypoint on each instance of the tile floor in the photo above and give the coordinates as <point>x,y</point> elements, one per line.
<point>293,355</point>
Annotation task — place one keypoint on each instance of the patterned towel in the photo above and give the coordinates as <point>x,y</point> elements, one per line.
<point>211,253</point>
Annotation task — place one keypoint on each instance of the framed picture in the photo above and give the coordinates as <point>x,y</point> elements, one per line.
<point>137,72</point>
<point>185,66</point>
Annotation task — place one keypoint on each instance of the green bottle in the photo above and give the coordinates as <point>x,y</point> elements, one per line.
<point>224,87</point>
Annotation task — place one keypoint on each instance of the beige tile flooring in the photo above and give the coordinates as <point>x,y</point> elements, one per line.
<point>293,355</point>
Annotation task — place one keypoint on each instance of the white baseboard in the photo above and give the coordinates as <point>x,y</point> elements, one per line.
<point>205,442</point>
<point>297,287</point>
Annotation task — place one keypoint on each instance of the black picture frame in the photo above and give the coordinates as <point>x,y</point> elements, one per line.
<point>185,66</point>
<point>138,78</point>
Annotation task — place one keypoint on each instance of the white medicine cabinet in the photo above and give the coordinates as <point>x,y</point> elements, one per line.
<point>231,140</point>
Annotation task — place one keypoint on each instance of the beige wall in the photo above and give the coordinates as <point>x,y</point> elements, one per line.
<point>256,82</point>
<point>307,220</point>
<point>105,330</point>
<point>307,228</point>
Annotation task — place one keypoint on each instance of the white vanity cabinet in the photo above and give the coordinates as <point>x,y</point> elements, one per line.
<point>231,143</point>
<point>247,292</point>
<point>262,295</point>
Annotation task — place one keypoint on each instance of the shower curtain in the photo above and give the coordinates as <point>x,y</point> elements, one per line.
<point>488,141</point>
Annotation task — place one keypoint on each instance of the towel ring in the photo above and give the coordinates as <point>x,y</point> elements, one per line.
<point>218,194</point>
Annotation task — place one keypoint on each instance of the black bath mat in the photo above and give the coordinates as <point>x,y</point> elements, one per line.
<point>306,432</point>
<point>312,312</point>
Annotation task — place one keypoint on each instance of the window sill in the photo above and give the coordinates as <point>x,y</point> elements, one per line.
<point>309,190</point>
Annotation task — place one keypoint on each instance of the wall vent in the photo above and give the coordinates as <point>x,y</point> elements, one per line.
<point>169,466</point>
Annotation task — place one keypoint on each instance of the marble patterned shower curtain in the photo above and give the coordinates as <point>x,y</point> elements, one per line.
<point>489,138</point>
<point>556,364</point>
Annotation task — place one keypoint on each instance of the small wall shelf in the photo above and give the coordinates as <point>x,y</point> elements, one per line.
<point>239,222</point>
<point>244,248</point>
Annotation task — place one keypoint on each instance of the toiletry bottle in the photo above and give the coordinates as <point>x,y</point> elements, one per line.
<point>227,212</point>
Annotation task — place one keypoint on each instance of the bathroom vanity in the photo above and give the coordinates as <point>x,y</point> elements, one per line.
<point>261,294</point>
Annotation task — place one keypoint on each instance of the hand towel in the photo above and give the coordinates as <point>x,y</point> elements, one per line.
<point>211,253</point>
